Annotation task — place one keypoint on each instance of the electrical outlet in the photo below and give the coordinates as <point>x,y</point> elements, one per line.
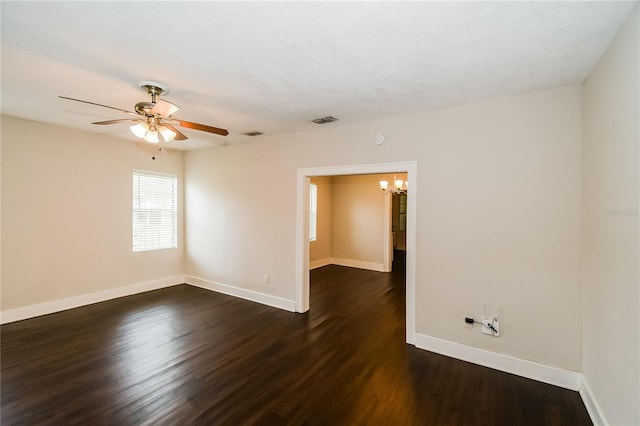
<point>265,279</point>
<point>468,321</point>
<point>491,326</point>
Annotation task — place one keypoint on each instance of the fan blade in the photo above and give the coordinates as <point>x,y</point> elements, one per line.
<point>122,120</point>
<point>203,127</point>
<point>100,105</point>
<point>164,108</point>
<point>179,135</point>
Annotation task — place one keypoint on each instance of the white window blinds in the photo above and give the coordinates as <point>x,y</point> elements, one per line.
<point>154,211</point>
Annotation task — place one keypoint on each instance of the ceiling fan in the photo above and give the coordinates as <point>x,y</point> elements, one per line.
<point>154,120</point>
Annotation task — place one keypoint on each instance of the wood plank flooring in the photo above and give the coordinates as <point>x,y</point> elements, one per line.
<point>184,355</point>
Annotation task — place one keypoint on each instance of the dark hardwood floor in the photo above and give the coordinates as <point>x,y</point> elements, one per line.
<point>183,355</point>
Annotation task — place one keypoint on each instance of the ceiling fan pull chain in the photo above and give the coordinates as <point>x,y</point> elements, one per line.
<point>159,151</point>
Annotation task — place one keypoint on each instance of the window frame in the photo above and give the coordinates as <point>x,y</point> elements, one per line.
<point>159,213</point>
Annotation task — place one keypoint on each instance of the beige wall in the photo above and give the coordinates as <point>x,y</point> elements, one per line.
<point>498,215</point>
<point>358,225</point>
<point>611,313</point>
<point>66,214</point>
<point>320,249</point>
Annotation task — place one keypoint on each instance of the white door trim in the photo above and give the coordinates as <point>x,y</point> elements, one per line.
<point>302,229</point>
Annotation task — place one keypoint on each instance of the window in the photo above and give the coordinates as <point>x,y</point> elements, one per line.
<point>313,211</point>
<point>155,214</point>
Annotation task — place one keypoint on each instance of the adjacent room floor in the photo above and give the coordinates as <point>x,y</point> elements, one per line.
<point>184,355</point>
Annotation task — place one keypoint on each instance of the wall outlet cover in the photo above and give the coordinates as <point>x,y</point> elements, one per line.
<point>487,330</point>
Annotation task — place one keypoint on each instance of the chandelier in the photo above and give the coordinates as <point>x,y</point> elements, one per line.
<point>399,186</point>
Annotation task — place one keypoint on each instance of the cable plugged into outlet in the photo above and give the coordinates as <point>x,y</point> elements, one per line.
<point>469,321</point>
<point>491,326</point>
<point>491,321</point>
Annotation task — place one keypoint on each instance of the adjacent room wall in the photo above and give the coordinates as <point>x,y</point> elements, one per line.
<point>66,214</point>
<point>610,276</point>
<point>498,215</point>
<point>358,222</point>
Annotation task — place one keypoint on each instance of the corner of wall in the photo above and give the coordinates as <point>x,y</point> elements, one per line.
<point>589,400</point>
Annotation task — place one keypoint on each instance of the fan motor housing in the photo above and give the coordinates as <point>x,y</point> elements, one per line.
<point>144,108</point>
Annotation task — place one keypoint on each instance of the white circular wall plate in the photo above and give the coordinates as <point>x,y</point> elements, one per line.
<point>378,139</point>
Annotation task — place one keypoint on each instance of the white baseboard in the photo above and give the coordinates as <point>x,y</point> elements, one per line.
<point>254,296</point>
<point>31,311</point>
<point>593,408</point>
<point>320,263</point>
<point>520,367</point>
<point>371,266</point>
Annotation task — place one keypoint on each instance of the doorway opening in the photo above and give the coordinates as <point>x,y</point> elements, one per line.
<point>302,229</point>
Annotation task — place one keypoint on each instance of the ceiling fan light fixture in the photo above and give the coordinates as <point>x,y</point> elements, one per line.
<point>152,135</point>
<point>167,134</point>
<point>140,129</point>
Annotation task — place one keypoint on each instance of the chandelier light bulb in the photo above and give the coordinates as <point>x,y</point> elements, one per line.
<point>399,186</point>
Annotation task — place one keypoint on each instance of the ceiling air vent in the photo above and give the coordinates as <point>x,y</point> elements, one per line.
<point>325,120</point>
<point>254,133</point>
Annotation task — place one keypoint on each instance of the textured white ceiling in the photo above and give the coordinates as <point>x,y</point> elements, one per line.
<point>274,66</point>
